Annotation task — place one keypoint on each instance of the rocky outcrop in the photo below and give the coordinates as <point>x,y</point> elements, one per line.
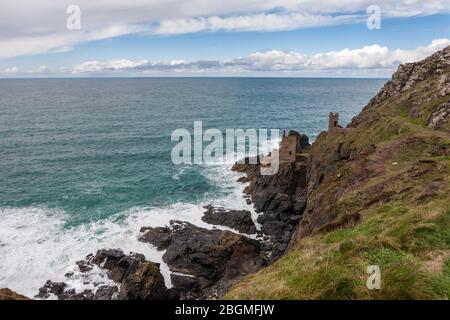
<point>240,220</point>
<point>200,258</point>
<point>160,237</point>
<point>308,191</point>
<point>7,294</point>
<point>280,199</point>
<point>131,278</point>
<point>439,116</point>
<point>408,75</point>
<point>377,185</point>
<point>337,164</point>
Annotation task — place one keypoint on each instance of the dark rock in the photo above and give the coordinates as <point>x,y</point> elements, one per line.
<point>279,197</point>
<point>159,237</point>
<point>204,257</point>
<point>240,220</point>
<point>204,253</point>
<point>242,179</point>
<point>186,283</point>
<point>84,265</point>
<point>143,281</point>
<point>105,292</point>
<point>72,295</point>
<point>107,258</point>
<point>135,278</point>
<point>50,287</point>
<point>302,141</point>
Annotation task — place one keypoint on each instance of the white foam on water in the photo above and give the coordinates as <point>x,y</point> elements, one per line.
<point>35,245</point>
<point>89,280</point>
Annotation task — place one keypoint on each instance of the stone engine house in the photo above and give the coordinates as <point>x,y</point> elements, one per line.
<point>333,123</point>
<point>288,148</point>
<point>292,145</point>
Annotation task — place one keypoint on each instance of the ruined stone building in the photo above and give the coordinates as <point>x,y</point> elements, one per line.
<point>288,148</point>
<point>333,123</point>
<point>291,145</point>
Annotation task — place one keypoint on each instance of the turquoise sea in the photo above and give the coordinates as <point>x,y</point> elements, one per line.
<point>84,163</point>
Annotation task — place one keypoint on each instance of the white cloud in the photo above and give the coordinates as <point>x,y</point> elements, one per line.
<point>93,66</point>
<point>258,22</point>
<point>15,71</point>
<point>12,70</point>
<point>31,27</point>
<point>420,52</point>
<point>372,57</point>
<point>59,42</point>
<point>371,60</point>
<point>41,70</point>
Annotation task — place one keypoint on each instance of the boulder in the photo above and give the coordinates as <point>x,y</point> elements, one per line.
<point>240,220</point>
<point>201,257</point>
<point>440,117</point>
<point>160,237</point>
<point>133,278</point>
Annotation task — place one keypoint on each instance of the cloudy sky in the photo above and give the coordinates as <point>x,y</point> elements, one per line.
<point>217,37</point>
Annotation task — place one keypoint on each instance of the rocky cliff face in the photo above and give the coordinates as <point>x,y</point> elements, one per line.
<point>344,162</point>
<point>375,193</point>
<point>434,70</point>
<point>339,162</point>
<point>204,262</point>
<point>280,199</point>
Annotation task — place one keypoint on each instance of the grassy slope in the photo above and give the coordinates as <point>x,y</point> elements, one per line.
<point>7,294</point>
<point>403,229</point>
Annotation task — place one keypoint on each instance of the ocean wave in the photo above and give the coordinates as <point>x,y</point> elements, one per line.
<point>36,245</point>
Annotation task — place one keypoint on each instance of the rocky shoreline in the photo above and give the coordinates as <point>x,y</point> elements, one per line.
<point>305,197</point>
<point>204,263</point>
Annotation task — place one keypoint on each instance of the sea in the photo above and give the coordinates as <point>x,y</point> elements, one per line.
<point>85,163</point>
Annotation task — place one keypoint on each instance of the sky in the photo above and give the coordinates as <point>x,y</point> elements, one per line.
<point>283,38</point>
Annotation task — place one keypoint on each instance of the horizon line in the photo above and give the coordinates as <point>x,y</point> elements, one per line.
<point>188,77</point>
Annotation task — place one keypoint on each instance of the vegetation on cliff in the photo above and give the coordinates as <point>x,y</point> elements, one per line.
<point>377,194</point>
<point>7,294</point>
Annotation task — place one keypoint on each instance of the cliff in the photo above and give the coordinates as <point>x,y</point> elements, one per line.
<point>373,194</point>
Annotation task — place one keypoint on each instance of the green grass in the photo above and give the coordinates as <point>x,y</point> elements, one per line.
<point>435,235</point>
<point>439,284</point>
<point>409,239</point>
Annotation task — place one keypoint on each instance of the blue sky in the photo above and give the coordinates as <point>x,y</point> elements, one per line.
<point>278,38</point>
